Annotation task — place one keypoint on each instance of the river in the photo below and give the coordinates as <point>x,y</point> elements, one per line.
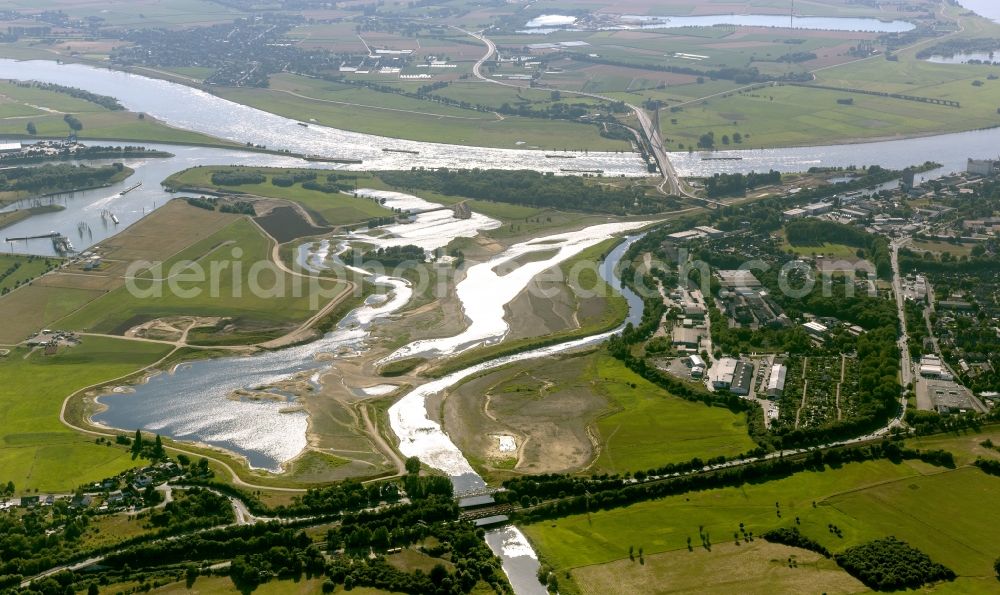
<point>188,108</point>
<point>553,23</point>
<point>989,9</point>
<point>950,150</point>
<point>192,109</point>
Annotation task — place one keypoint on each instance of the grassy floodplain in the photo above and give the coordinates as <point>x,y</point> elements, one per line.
<point>36,450</point>
<point>332,209</point>
<point>940,511</point>
<point>803,115</point>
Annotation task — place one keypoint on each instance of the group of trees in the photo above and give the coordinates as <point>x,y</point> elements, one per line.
<point>529,188</point>
<point>73,122</point>
<point>792,537</point>
<point>738,184</point>
<point>192,508</point>
<point>292,178</point>
<point>330,185</point>
<point>152,451</point>
<point>889,564</point>
<point>388,257</point>
<point>237,177</point>
<point>76,152</point>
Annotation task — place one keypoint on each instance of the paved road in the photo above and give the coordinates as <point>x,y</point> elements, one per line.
<point>905,363</point>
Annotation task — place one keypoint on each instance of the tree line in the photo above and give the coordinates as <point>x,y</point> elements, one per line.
<point>104,101</point>
<point>528,188</point>
<point>558,496</point>
<point>57,177</point>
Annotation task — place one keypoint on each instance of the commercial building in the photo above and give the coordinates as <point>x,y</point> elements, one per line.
<point>723,372</point>
<point>742,379</point>
<point>9,148</point>
<point>931,366</point>
<point>776,381</point>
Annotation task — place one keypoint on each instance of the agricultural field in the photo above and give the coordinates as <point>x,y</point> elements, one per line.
<point>758,568</point>
<point>826,249</point>
<point>256,315</point>
<point>45,109</point>
<point>37,452</point>
<point>52,297</point>
<point>144,13</point>
<point>648,427</point>
<point>864,500</point>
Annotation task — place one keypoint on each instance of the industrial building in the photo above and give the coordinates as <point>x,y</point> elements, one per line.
<point>742,379</point>
<point>983,167</point>
<point>722,372</point>
<point>710,232</point>
<point>816,329</point>
<point>738,279</point>
<point>686,337</point>
<point>776,381</point>
<point>812,210</point>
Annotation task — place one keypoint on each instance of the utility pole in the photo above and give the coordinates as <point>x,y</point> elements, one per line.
<point>791,16</point>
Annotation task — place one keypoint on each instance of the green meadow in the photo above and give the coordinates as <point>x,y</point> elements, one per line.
<point>947,513</point>
<point>650,427</point>
<point>37,452</point>
<point>16,269</point>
